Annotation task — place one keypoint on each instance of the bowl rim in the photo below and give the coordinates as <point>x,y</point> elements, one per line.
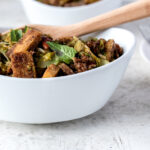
<point>75,8</point>
<point>118,60</point>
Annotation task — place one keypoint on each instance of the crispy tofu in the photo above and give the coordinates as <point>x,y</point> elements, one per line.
<point>28,42</point>
<point>51,71</point>
<point>23,65</point>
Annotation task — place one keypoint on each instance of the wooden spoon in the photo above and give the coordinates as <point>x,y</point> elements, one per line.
<point>128,13</point>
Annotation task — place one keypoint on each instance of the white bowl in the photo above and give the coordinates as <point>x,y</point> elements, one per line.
<point>68,97</point>
<point>40,13</point>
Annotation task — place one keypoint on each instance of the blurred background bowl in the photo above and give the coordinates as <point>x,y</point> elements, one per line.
<point>40,13</point>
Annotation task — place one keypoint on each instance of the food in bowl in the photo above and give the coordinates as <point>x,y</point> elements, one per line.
<point>26,53</point>
<point>67,3</point>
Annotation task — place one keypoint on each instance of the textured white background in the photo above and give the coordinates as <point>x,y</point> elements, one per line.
<point>123,124</point>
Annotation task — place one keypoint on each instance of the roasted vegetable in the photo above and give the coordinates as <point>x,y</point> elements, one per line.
<point>51,71</point>
<point>66,69</point>
<point>80,46</point>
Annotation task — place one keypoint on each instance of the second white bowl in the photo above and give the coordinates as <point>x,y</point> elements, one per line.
<point>40,13</point>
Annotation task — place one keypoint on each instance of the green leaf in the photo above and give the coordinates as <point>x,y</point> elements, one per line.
<point>16,35</point>
<point>19,34</point>
<point>64,52</point>
<point>13,36</point>
<point>25,29</point>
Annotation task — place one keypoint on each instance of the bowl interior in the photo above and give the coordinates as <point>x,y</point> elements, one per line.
<point>123,37</point>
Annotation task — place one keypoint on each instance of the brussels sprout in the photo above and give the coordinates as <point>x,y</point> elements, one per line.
<point>102,44</point>
<point>79,46</point>
<point>104,62</point>
<point>48,56</point>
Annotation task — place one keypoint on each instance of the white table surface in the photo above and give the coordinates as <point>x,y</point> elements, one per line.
<point>123,124</point>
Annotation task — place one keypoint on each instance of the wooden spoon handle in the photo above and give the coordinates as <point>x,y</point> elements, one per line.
<point>128,13</point>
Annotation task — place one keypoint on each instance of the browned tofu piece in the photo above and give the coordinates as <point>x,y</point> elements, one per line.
<point>29,42</point>
<point>23,65</point>
<point>51,71</point>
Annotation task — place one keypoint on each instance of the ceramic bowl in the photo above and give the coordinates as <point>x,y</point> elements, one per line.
<point>39,13</point>
<point>65,98</point>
